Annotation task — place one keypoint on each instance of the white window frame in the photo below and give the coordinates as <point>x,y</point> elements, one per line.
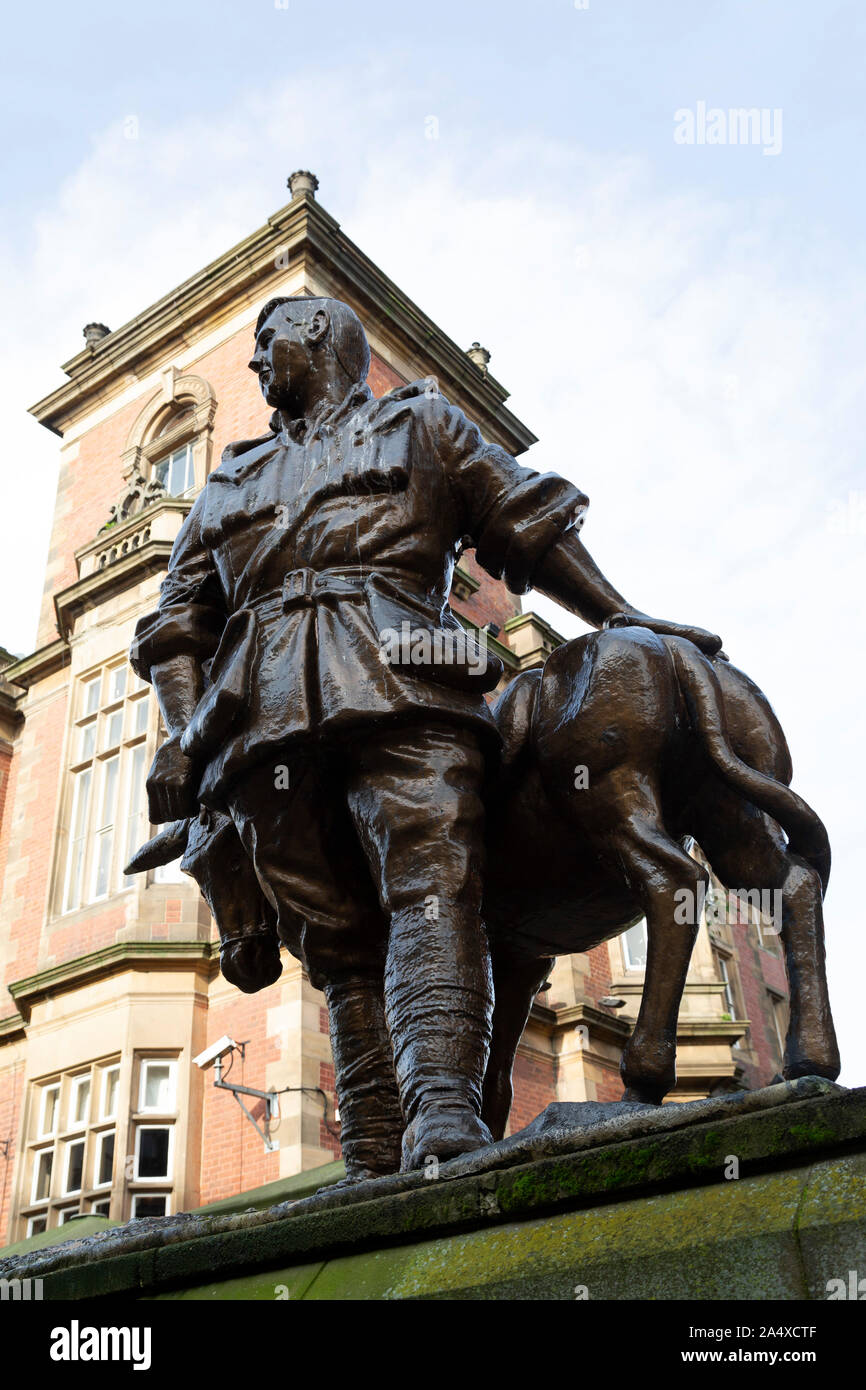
<point>98,826</point>
<point>626,953</point>
<point>37,1155</point>
<point>77,1085</point>
<point>78,820</point>
<point>725,974</point>
<point>104,1113</point>
<point>101,1138</point>
<point>187,448</point>
<point>146,1063</point>
<point>100,1202</point>
<point>152,1177</point>
<point>52,1089</point>
<point>139,1196</point>
<point>67,1214</point>
<point>37,1216</point>
<point>67,1159</point>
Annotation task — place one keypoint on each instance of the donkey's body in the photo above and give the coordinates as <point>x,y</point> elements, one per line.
<point>625,744</point>
<point>669,744</point>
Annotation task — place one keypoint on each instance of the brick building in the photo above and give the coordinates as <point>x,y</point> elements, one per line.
<point>112,985</point>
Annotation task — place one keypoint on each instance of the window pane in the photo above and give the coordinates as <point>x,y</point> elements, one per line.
<point>158,1086</point>
<point>110,1085</point>
<point>153,1153</point>
<point>86,742</point>
<point>80,1101</point>
<point>117,685</point>
<point>635,947</point>
<point>113,729</point>
<point>50,1100</point>
<point>136,825</point>
<point>36,1225</point>
<point>105,838</point>
<point>74,1165</point>
<point>177,472</point>
<point>90,696</point>
<point>106,1159</point>
<point>68,1214</point>
<point>78,839</point>
<point>102,1208</point>
<point>42,1180</point>
<point>139,717</point>
<point>103,865</point>
<point>109,791</point>
<point>169,873</point>
<point>148,1206</point>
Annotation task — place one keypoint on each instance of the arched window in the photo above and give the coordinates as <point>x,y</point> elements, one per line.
<point>170,442</point>
<point>173,450</point>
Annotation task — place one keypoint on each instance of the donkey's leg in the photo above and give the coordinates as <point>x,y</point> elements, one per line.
<point>516,981</point>
<point>658,870</point>
<point>748,852</point>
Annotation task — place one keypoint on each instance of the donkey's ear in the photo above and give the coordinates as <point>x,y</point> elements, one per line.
<point>162,849</point>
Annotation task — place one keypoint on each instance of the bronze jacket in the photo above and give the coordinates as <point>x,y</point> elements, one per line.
<point>302,551</point>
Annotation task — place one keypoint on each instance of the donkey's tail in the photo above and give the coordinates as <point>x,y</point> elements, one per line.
<point>699,683</point>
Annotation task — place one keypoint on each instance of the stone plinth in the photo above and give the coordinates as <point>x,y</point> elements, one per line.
<point>760,1195</point>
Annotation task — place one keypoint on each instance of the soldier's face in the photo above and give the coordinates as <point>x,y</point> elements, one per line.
<point>281,360</point>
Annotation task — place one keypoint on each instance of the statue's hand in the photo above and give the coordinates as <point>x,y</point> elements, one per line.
<point>172,784</point>
<point>708,642</point>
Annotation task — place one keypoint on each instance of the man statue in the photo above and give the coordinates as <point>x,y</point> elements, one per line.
<point>352,774</point>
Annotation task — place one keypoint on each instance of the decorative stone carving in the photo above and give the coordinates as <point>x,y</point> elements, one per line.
<point>138,492</point>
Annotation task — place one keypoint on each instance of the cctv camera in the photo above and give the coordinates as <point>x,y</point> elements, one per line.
<point>218,1049</point>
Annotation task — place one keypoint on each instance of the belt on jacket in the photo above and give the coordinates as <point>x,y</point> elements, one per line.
<point>305,587</point>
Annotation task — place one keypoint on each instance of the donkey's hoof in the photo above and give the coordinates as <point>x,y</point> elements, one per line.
<point>827,1066</point>
<point>647,1093</point>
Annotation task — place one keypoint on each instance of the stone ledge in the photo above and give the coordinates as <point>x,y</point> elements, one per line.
<point>800,1148</point>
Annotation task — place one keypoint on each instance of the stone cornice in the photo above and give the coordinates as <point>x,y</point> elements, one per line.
<point>11,1027</point>
<point>39,664</point>
<point>244,274</point>
<point>605,1026</point>
<point>72,974</point>
<point>69,604</point>
<point>530,619</point>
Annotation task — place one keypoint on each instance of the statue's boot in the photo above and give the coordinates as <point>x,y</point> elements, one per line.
<point>439,1007</point>
<point>371,1121</point>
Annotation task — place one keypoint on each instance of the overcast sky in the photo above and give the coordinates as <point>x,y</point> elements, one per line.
<point>681,324</point>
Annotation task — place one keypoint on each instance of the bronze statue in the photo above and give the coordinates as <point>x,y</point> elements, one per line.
<point>340,781</point>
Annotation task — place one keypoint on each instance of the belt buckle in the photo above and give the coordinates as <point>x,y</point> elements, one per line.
<point>298,589</point>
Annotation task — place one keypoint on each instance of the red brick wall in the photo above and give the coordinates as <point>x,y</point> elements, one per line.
<point>28,827</point>
<point>758,971</point>
<point>11,1091</point>
<point>233,1154</point>
<point>534,1088</point>
<point>491,603</point>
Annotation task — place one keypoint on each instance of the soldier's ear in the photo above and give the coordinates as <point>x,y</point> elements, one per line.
<point>317,328</point>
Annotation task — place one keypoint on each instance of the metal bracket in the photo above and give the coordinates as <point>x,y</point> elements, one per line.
<point>270,1098</point>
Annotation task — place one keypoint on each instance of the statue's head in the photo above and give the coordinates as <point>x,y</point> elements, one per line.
<point>304,344</point>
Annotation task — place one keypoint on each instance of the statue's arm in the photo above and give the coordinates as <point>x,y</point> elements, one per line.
<point>568,574</point>
<point>172,781</point>
<point>168,650</point>
<point>525,528</point>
